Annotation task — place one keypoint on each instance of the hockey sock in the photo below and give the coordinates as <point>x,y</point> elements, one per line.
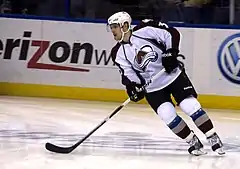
<point>203,122</point>
<point>179,127</point>
<point>192,108</point>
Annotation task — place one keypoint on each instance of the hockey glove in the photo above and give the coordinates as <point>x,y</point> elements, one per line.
<point>169,60</point>
<point>135,91</point>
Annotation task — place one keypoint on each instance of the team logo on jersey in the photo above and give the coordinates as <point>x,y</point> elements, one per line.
<point>229,58</point>
<point>144,56</point>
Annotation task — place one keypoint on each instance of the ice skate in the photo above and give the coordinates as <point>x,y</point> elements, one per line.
<point>196,147</point>
<point>216,143</point>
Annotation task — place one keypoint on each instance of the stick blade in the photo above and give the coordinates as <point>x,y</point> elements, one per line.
<point>57,149</point>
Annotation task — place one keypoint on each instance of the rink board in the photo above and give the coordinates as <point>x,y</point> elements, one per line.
<point>98,94</point>
<point>63,59</point>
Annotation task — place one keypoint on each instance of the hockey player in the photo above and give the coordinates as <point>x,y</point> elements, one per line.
<point>141,53</point>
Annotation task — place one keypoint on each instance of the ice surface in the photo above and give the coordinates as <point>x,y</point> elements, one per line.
<point>135,138</point>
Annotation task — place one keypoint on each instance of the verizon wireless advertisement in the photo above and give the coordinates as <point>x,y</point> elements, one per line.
<point>77,54</point>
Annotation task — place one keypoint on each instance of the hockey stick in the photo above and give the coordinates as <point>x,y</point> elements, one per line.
<point>66,150</point>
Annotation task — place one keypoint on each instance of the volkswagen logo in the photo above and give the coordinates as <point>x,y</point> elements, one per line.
<point>229,58</point>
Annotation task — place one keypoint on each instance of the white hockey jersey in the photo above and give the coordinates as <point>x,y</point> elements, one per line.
<point>141,58</point>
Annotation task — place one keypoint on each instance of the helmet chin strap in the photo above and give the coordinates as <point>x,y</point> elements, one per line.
<point>123,33</point>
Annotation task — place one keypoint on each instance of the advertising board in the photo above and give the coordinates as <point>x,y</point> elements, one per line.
<point>72,60</point>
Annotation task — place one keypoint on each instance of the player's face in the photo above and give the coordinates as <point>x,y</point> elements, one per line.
<point>116,31</point>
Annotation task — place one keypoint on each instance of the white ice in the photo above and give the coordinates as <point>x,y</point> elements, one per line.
<point>135,138</point>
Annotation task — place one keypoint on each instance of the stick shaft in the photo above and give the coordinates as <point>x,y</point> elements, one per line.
<point>105,120</point>
<point>66,150</point>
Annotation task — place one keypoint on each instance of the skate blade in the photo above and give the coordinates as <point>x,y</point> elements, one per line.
<point>220,151</point>
<point>198,152</point>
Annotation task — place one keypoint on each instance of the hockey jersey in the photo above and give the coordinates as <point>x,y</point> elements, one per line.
<point>141,58</point>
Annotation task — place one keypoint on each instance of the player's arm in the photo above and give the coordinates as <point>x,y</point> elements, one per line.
<point>129,76</point>
<point>168,36</point>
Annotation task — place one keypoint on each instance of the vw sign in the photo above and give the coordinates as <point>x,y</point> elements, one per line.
<point>229,58</point>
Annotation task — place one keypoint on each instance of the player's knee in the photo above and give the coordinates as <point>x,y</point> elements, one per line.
<point>186,95</point>
<point>190,105</point>
<point>167,112</point>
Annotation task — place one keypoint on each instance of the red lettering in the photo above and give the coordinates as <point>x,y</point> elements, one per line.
<point>43,46</point>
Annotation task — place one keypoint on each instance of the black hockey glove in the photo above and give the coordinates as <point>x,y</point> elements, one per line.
<point>135,91</point>
<point>169,60</point>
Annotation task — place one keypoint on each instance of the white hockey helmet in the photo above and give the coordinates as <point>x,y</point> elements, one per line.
<point>120,18</point>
